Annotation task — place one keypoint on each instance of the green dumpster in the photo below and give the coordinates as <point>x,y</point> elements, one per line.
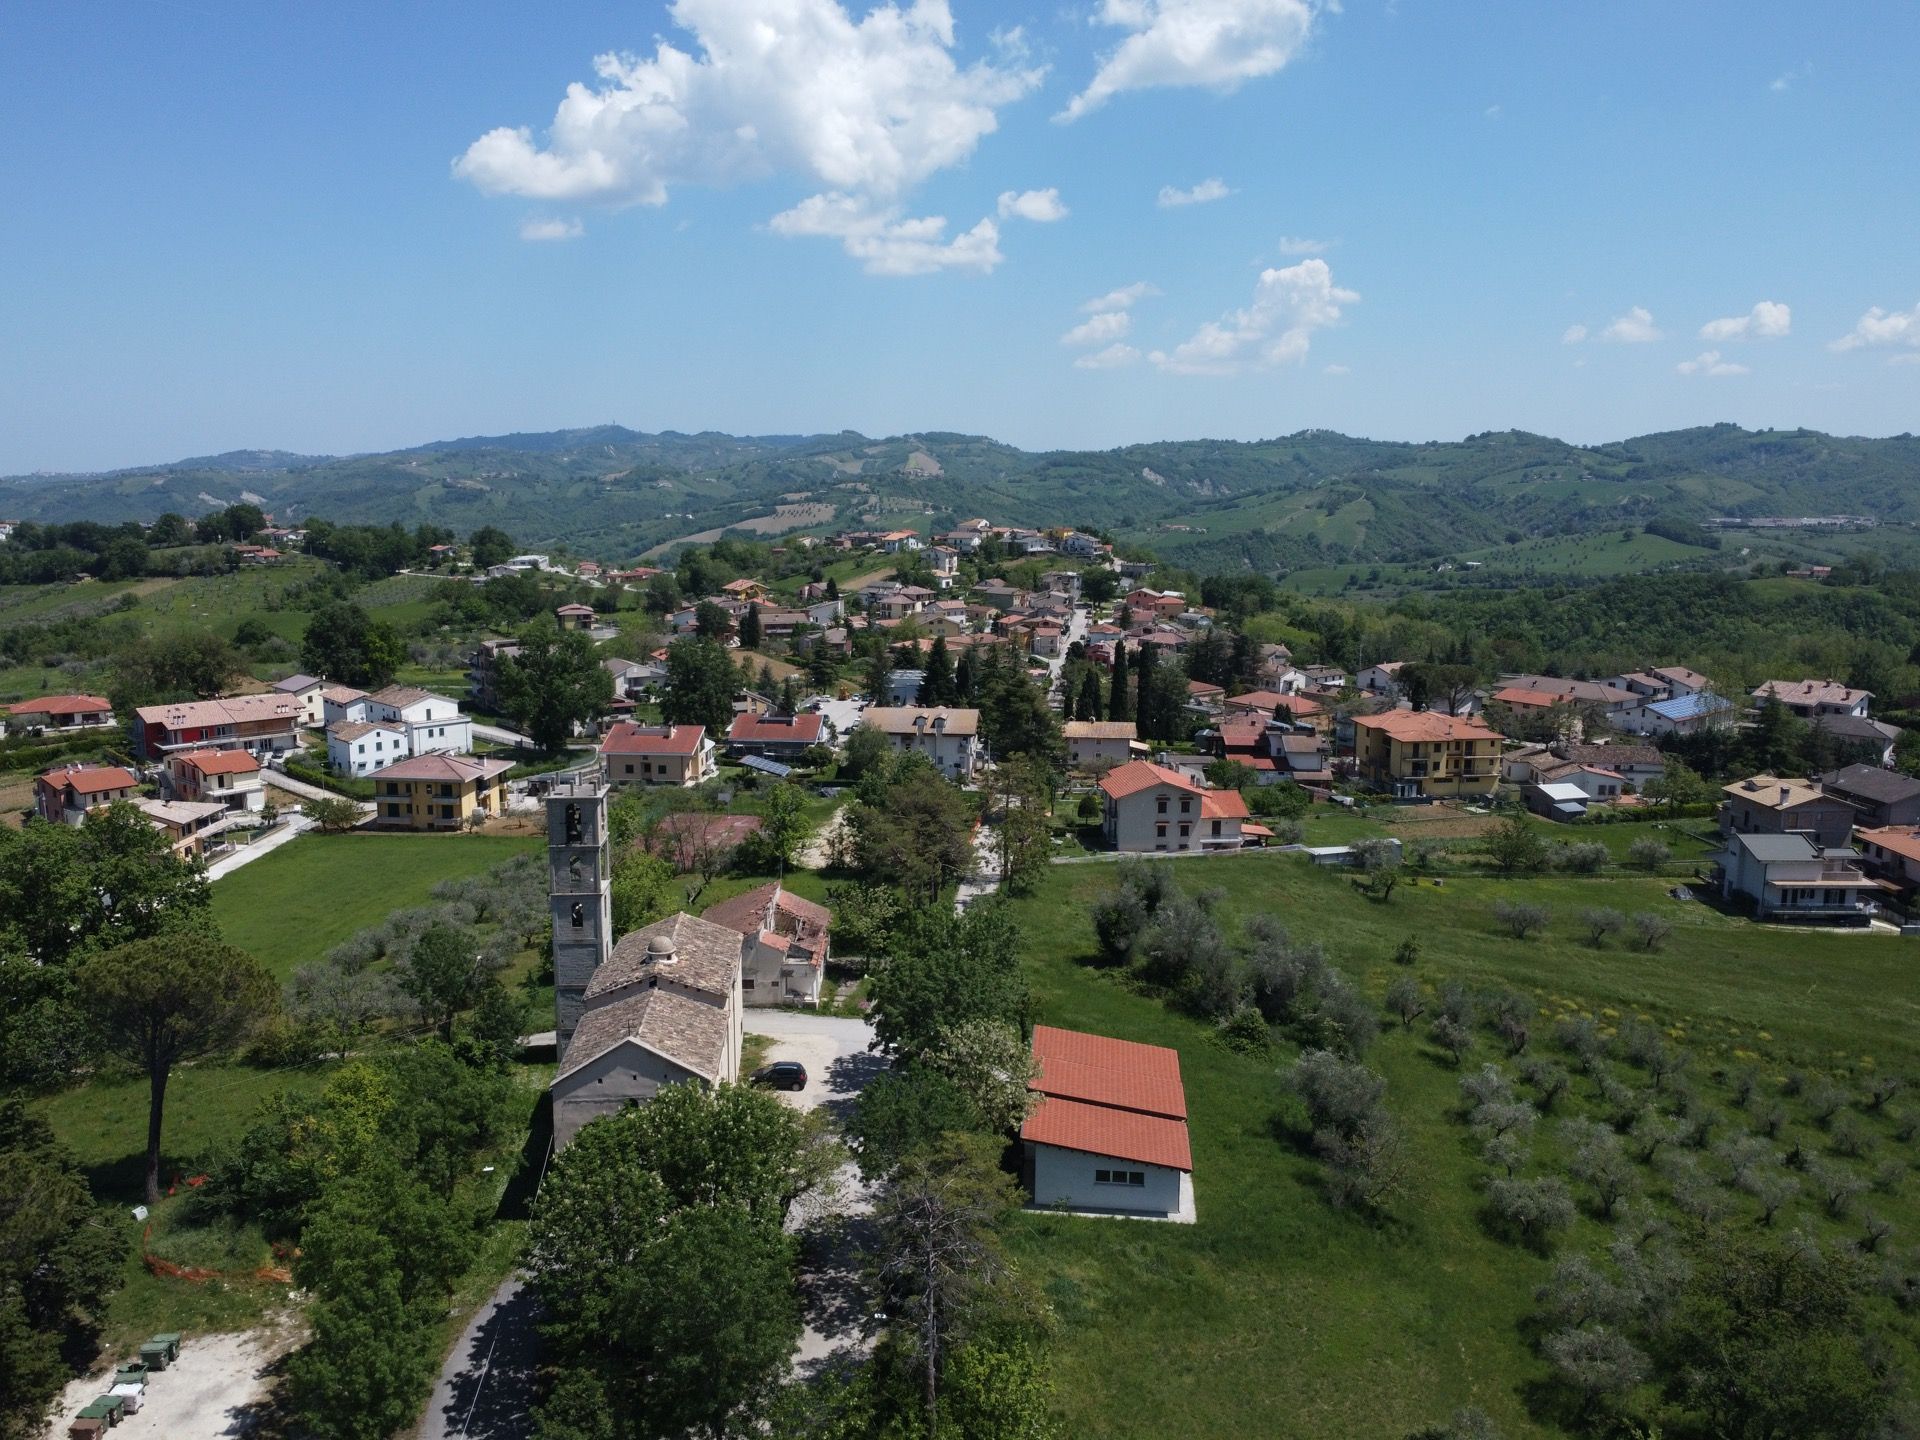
<point>108,1408</point>
<point>170,1339</point>
<point>132,1373</point>
<point>153,1356</point>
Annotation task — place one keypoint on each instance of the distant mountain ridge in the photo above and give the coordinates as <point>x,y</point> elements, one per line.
<point>1314,497</point>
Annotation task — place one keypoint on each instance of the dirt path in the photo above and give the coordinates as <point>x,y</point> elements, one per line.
<point>819,847</point>
<point>218,1387</point>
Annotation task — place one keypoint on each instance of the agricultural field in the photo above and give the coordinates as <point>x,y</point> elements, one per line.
<point>1263,1313</point>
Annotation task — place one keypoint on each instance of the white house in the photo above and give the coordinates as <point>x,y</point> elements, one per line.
<point>342,702</point>
<point>1149,807</point>
<point>1789,877</point>
<point>1811,699</point>
<point>948,737</point>
<point>1109,1135</point>
<point>784,943</point>
<point>1382,679</point>
<point>433,724</point>
<point>309,691</point>
<point>1677,715</point>
<point>360,747</point>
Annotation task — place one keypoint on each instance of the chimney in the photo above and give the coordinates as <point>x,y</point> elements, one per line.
<point>1785,791</point>
<point>660,951</point>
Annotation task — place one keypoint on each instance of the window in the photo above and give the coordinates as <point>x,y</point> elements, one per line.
<point>579,916</point>
<point>1185,829</point>
<point>1160,830</point>
<point>1186,807</point>
<point>1216,827</point>
<point>1136,1178</point>
<point>1163,804</point>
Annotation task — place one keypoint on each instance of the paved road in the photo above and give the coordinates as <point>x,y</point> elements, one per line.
<point>843,715</point>
<point>986,868</point>
<point>288,828</point>
<point>832,1227</point>
<point>280,780</point>
<point>485,1386</point>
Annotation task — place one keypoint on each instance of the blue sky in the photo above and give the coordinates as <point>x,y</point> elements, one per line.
<point>321,228</point>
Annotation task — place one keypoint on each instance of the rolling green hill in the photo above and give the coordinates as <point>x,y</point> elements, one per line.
<point>1313,499</point>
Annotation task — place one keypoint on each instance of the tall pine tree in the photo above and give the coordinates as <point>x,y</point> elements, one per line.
<point>1143,700</point>
<point>750,628</point>
<point>936,685</point>
<point>1089,695</point>
<point>1117,696</point>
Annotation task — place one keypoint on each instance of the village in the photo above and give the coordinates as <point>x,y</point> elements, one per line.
<point>763,729</point>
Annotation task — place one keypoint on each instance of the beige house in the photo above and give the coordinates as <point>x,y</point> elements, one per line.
<point>678,755</point>
<point>948,737</point>
<point>309,690</point>
<point>440,792</point>
<point>664,1009</point>
<point>1784,805</point>
<point>1149,807</point>
<point>1097,742</point>
<point>231,778</point>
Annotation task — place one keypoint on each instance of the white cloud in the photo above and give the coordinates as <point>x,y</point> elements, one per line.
<point>1911,357</point>
<point>1204,193</point>
<point>1215,44</point>
<point>1301,245</point>
<point>1099,329</point>
<point>1125,298</point>
<point>1768,320</point>
<point>1336,370</point>
<point>1042,207</point>
<point>1573,335</point>
<point>1708,362</point>
<point>1493,112</point>
<point>887,244</point>
<point>1784,82</point>
<point>1633,328</point>
<point>1882,327</point>
<point>1276,329</point>
<point>865,109</point>
<point>1111,358</point>
<point>532,229</point>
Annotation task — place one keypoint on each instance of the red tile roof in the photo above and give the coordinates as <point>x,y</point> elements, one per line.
<point>628,739</point>
<point>1425,725</point>
<point>461,768</point>
<point>1138,775</point>
<point>89,779</point>
<point>220,762</point>
<point>61,705</point>
<point>795,729</point>
<point>1101,1070</point>
<point>1224,804</point>
<point>1099,1130</point>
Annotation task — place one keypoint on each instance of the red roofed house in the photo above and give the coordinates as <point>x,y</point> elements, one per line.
<point>778,737</point>
<point>1110,1132</point>
<point>679,755</point>
<point>230,777</point>
<point>575,617</point>
<point>64,796</point>
<point>1422,754</point>
<point>1149,807</point>
<point>59,712</point>
<point>785,954</point>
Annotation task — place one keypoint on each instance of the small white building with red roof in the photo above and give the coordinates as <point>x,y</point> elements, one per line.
<point>1109,1133</point>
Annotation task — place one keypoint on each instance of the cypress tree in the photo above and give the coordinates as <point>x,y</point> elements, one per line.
<point>1117,696</point>
<point>1089,696</point>
<point>937,687</point>
<point>1143,700</point>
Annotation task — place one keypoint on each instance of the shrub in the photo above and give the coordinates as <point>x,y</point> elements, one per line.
<point>1367,1168</point>
<point>1408,952</point>
<point>1451,1036</point>
<point>1584,859</point>
<point>1119,920</point>
<point>1548,1080</point>
<point>1341,1097</point>
<point>1601,924</point>
<point>1581,1038</point>
<point>1650,931</point>
<point>1824,1101</point>
<point>1598,1363</point>
<point>1521,919</point>
<point>1405,1000</point>
<point>1648,854</point>
<point>1533,1210</point>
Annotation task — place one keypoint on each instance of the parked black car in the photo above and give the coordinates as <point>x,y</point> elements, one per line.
<point>782,1075</point>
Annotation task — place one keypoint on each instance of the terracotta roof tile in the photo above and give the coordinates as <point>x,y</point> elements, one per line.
<point>1099,1130</point>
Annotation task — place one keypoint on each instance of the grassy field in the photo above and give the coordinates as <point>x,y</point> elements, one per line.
<point>1277,1315</point>
<point>306,897</point>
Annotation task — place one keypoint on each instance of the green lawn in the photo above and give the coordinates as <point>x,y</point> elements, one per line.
<point>1277,1315</point>
<point>306,897</point>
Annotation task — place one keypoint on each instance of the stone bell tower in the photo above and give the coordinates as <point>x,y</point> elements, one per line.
<point>579,887</point>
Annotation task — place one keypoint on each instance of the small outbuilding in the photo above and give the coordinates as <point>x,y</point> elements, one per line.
<point>1109,1134</point>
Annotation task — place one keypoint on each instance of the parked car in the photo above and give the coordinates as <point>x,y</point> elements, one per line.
<point>782,1075</point>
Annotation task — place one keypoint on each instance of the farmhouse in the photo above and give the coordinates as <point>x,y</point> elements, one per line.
<point>1109,1134</point>
<point>678,755</point>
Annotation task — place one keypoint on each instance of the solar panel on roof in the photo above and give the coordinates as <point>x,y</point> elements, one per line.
<point>767,767</point>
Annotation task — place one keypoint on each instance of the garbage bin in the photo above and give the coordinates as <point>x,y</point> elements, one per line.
<point>153,1356</point>
<point>106,1409</point>
<point>170,1339</point>
<point>132,1394</point>
<point>133,1372</point>
<point>87,1427</point>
